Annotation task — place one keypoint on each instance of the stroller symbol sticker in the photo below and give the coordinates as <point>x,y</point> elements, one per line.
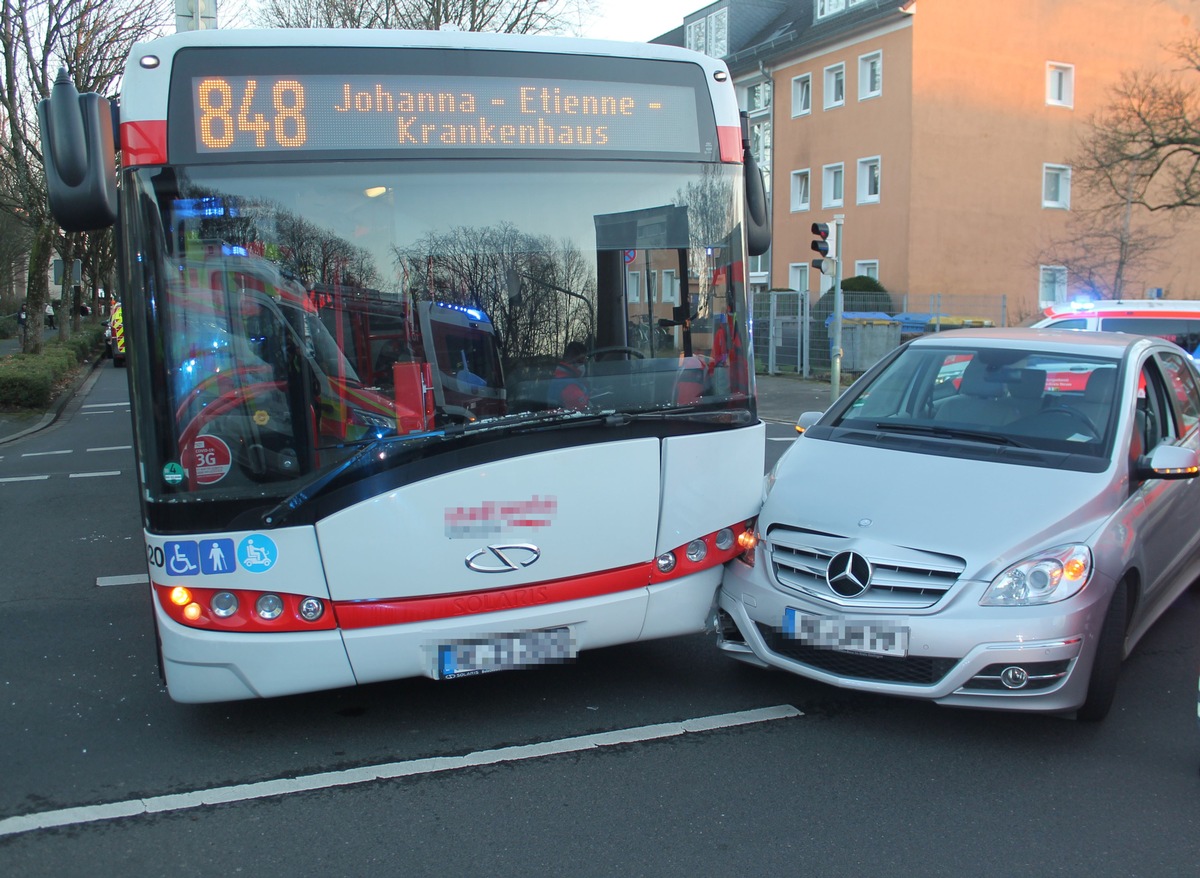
<point>257,553</point>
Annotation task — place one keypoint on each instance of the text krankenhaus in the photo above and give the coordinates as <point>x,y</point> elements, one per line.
<point>555,117</point>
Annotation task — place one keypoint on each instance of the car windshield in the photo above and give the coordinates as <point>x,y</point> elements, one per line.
<point>1053,402</point>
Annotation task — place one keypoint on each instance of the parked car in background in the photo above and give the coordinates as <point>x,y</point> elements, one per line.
<point>1176,321</point>
<point>965,526</point>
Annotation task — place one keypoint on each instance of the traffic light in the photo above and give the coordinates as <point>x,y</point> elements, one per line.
<point>825,243</point>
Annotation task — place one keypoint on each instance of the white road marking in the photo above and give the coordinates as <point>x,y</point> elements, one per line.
<point>105,412</point>
<point>102,405</point>
<point>131,579</point>
<point>781,439</point>
<point>387,771</point>
<point>113,448</point>
<point>25,479</point>
<point>115,472</point>
<point>44,453</point>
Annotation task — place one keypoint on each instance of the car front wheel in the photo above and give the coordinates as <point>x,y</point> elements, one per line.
<point>1107,665</point>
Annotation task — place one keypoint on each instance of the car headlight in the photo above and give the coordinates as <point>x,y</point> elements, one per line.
<point>371,419</point>
<point>1044,578</point>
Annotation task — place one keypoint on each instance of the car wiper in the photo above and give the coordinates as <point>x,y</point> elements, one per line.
<point>280,512</point>
<point>941,431</point>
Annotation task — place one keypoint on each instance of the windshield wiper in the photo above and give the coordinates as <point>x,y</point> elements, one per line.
<point>278,514</point>
<point>943,432</point>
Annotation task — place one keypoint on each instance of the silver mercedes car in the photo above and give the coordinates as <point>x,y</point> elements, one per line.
<point>987,518</point>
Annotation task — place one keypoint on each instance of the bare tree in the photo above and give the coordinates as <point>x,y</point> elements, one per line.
<point>91,39</point>
<point>1143,149</point>
<point>496,16</point>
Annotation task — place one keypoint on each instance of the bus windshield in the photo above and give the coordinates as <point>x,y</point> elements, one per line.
<point>307,308</point>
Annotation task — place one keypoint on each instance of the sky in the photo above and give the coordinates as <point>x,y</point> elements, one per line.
<point>634,20</point>
<point>638,20</point>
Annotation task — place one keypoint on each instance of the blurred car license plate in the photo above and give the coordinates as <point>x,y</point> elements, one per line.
<point>870,636</point>
<point>466,658</point>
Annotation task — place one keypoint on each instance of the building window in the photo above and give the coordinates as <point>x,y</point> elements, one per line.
<point>761,148</point>
<point>670,287</point>
<point>758,97</point>
<point>835,86</point>
<point>1052,284</point>
<point>870,76</point>
<point>802,95</point>
<point>798,277</point>
<point>867,268</point>
<point>633,286</point>
<point>710,34</point>
<point>831,185</point>
<point>1056,186</point>
<point>833,7</point>
<point>1060,84</point>
<point>801,190</point>
<point>868,180</point>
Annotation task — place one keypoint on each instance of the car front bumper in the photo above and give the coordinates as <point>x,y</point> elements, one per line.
<point>957,652</point>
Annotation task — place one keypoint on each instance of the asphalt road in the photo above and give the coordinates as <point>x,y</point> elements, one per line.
<point>826,782</point>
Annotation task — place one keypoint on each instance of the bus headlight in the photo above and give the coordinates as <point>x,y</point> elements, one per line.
<point>665,562</point>
<point>311,609</point>
<point>696,550</point>
<point>223,604</point>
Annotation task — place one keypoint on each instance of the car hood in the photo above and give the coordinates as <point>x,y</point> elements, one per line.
<point>987,513</point>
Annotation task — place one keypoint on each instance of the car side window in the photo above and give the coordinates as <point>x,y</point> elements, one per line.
<point>1069,323</point>
<point>1155,415</point>
<point>1184,392</point>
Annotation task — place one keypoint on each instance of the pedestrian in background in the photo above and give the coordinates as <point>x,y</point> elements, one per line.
<point>22,319</point>
<point>50,316</point>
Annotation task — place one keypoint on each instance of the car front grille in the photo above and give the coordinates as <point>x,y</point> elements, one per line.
<point>901,578</point>
<point>918,670</point>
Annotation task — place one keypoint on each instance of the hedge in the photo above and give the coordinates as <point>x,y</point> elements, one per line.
<point>28,381</point>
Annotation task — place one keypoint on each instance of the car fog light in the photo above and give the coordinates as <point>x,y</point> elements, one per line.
<point>724,538</point>
<point>311,609</point>
<point>666,562</point>
<point>269,606</point>
<point>1013,677</point>
<point>224,604</point>
<point>696,550</point>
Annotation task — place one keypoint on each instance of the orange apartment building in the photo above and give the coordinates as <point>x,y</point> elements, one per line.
<point>943,132</point>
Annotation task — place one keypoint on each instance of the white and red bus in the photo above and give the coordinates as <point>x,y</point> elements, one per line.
<point>417,376</point>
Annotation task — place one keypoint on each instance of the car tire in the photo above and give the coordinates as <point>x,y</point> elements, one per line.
<point>1110,652</point>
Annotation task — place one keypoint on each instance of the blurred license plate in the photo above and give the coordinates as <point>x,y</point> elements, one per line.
<point>870,636</point>
<point>466,658</point>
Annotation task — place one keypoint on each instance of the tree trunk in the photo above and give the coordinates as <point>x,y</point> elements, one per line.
<point>37,288</point>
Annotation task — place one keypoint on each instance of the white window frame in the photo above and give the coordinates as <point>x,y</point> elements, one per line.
<point>633,285</point>
<point>670,287</point>
<point>863,193</point>
<point>835,74</point>
<point>801,90</point>
<point>867,267</point>
<point>1060,84</point>
<point>865,92</point>
<point>798,277</point>
<point>1061,174</point>
<point>833,177</point>
<point>1052,277</point>
<point>696,34</point>
<point>797,202</point>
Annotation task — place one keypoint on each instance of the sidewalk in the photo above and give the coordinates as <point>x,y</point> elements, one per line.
<point>783,398</point>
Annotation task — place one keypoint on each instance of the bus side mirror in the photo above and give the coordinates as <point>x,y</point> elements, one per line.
<point>79,156</point>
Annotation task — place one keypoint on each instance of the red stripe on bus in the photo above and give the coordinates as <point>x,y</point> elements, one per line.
<point>403,611</point>
<point>730,139</point>
<point>143,143</point>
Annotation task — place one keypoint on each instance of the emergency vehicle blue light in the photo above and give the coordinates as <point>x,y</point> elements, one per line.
<point>473,313</point>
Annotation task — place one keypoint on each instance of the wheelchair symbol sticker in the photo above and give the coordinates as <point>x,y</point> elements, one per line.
<point>182,558</point>
<point>257,553</point>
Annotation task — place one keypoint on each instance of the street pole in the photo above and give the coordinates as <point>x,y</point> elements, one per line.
<point>835,337</point>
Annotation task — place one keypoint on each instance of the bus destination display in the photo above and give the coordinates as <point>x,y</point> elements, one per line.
<point>240,114</point>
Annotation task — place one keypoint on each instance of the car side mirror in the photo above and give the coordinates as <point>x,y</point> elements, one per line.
<point>1169,462</point>
<point>806,420</point>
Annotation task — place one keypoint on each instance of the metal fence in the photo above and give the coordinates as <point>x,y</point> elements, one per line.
<point>791,329</point>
